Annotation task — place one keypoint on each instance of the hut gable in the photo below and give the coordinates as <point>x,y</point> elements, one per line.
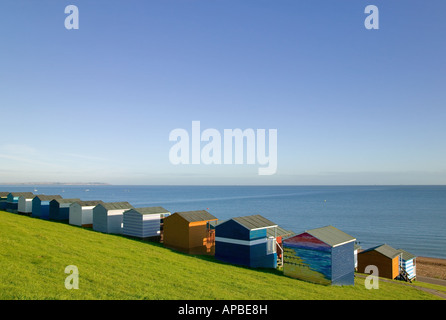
<point>331,236</point>
<point>246,228</point>
<point>25,204</point>
<point>306,241</point>
<point>385,250</point>
<point>245,241</point>
<point>81,212</point>
<point>108,217</point>
<point>190,231</point>
<point>384,257</point>
<point>323,255</point>
<point>144,222</point>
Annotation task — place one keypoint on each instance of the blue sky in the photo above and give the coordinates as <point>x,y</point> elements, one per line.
<point>350,105</point>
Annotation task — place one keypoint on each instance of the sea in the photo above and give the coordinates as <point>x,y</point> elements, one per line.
<point>412,218</point>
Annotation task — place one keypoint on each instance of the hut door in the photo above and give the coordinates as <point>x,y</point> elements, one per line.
<point>271,245</point>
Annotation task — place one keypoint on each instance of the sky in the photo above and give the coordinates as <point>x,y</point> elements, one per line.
<point>351,105</point>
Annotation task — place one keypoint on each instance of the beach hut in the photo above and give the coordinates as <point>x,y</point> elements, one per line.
<point>60,209</point>
<point>245,241</point>
<point>384,257</point>
<point>25,204</point>
<point>144,223</point>
<point>190,232</point>
<point>279,234</point>
<point>81,213</point>
<point>322,255</point>
<point>41,206</point>
<point>3,199</point>
<point>12,200</point>
<point>408,268</point>
<point>107,217</point>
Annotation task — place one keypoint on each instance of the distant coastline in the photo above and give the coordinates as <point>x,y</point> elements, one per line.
<point>55,184</point>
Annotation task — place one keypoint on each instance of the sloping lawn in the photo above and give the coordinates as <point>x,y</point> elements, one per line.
<point>34,254</point>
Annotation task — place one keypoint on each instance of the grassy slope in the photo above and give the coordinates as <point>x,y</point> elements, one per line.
<point>34,254</point>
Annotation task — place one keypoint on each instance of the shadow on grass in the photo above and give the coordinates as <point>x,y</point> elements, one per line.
<point>155,243</point>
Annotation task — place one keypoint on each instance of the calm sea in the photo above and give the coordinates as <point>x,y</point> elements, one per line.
<point>408,217</point>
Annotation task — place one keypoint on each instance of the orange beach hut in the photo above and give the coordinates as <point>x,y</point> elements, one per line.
<point>384,257</point>
<point>190,232</point>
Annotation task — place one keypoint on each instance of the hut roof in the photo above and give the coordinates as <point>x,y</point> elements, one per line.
<point>67,200</point>
<point>385,250</point>
<point>4,193</point>
<point>279,232</point>
<point>331,235</point>
<point>194,216</point>
<point>151,210</point>
<point>44,197</point>
<point>89,203</point>
<point>255,221</point>
<point>406,255</point>
<point>18,194</point>
<point>116,205</point>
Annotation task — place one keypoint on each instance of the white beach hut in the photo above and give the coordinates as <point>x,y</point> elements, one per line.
<point>81,213</point>
<point>25,204</point>
<point>107,217</point>
<point>144,222</point>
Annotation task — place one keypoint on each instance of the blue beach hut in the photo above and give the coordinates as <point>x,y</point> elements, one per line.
<point>60,209</point>
<point>41,206</point>
<point>408,265</point>
<point>12,200</point>
<point>323,255</point>
<point>245,241</point>
<point>3,200</point>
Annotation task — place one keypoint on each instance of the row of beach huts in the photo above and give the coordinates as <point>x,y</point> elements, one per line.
<point>324,255</point>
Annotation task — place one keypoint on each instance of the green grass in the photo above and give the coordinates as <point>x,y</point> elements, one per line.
<point>34,254</point>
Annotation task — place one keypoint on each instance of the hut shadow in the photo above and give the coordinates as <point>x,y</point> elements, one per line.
<point>204,257</point>
<point>153,242</point>
<point>211,259</point>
